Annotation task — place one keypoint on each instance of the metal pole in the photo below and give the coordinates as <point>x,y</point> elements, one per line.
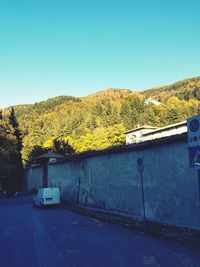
<point>78,192</point>
<point>143,202</point>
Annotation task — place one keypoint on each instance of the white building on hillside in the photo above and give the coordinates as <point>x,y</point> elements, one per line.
<point>152,101</point>
<point>146,133</point>
<point>134,135</point>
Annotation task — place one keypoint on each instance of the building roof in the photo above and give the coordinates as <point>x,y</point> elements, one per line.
<point>142,127</point>
<point>49,155</point>
<point>168,127</point>
<point>156,129</point>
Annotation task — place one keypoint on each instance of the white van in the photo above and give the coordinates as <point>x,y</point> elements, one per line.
<point>47,196</point>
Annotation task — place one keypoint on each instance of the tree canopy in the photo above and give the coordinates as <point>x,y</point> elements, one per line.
<point>11,172</point>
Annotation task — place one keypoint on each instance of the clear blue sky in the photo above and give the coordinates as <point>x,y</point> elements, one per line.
<point>76,47</point>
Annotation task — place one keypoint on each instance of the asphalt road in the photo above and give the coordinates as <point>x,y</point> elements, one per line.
<point>31,237</point>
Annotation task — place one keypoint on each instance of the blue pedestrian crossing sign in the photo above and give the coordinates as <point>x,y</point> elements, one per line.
<point>194,157</point>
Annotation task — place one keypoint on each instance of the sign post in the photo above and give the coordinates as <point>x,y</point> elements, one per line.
<point>78,191</point>
<point>193,127</point>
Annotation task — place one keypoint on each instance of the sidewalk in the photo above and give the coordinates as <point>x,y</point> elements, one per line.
<point>184,235</point>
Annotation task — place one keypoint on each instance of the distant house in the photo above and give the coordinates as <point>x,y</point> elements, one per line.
<point>134,135</point>
<point>146,133</point>
<point>152,101</point>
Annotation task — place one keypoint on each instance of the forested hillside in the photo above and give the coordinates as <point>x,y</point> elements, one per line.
<point>184,90</point>
<point>99,120</point>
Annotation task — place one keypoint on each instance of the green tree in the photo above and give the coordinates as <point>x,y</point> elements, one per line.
<point>17,158</point>
<point>92,123</point>
<point>174,111</point>
<point>97,109</point>
<point>13,122</point>
<point>35,152</point>
<point>62,147</point>
<point>149,116</point>
<point>132,110</point>
<point>10,165</point>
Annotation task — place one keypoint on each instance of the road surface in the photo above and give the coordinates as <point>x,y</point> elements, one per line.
<point>31,237</point>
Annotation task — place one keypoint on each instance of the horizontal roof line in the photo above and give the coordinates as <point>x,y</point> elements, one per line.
<point>142,127</point>
<point>176,125</point>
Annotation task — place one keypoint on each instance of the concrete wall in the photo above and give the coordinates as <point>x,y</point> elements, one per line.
<point>33,178</point>
<point>110,181</point>
<point>65,176</point>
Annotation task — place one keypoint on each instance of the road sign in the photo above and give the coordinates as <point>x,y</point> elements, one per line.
<point>194,157</point>
<point>193,127</point>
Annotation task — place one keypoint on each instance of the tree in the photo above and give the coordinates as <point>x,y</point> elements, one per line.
<point>92,124</point>
<point>13,122</point>
<point>10,164</point>
<point>149,116</point>
<point>1,116</point>
<point>62,147</point>
<point>132,110</point>
<point>18,173</point>
<point>97,109</point>
<point>174,112</point>
<point>35,152</point>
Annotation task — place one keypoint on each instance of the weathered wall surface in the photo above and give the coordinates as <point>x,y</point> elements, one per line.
<point>33,178</point>
<point>111,181</point>
<point>65,176</point>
